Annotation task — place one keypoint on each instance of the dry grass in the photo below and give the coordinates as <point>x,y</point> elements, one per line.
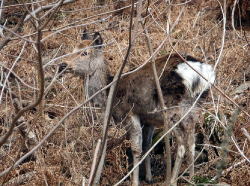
<point>67,156</point>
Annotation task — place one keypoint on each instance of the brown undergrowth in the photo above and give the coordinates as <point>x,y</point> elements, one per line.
<point>66,157</point>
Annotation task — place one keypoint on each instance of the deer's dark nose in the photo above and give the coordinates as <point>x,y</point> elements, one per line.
<point>62,67</point>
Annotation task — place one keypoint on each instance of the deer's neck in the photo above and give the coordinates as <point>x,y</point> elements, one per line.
<point>96,80</point>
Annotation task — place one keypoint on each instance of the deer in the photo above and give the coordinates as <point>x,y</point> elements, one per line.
<point>136,101</point>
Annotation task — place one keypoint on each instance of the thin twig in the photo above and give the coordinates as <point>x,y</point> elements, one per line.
<point>110,99</point>
<point>75,26</point>
<point>223,33</point>
<point>14,33</point>
<point>21,179</point>
<point>230,168</point>
<point>20,4</point>
<point>7,39</point>
<point>1,8</point>
<point>54,10</point>
<point>17,77</point>
<point>244,131</point>
<point>232,18</point>
<point>10,71</point>
<point>163,106</point>
<point>238,148</point>
<point>40,93</point>
<point>41,8</point>
<point>94,159</point>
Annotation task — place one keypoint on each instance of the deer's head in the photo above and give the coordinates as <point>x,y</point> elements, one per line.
<point>87,56</point>
<point>87,60</point>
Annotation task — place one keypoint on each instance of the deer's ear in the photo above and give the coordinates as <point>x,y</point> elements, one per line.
<point>85,35</point>
<point>98,39</point>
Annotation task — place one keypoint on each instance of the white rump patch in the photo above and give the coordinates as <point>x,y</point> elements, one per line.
<point>193,82</point>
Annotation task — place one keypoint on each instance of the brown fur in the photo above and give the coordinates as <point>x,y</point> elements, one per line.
<point>137,92</point>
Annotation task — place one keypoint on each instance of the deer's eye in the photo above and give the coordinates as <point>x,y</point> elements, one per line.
<point>84,53</point>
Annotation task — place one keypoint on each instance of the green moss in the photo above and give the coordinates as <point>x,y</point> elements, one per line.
<point>202,180</point>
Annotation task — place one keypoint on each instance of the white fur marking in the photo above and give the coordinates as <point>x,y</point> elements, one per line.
<point>136,135</point>
<point>148,169</point>
<point>190,76</point>
<point>181,151</point>
<point>193,149</point>
<point>136,123</point>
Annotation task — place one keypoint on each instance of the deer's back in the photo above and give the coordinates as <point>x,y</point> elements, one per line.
<point>137,92</point>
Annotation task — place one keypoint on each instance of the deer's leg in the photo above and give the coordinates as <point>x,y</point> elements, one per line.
<point>179,157</point>
<point>136,145</point>
<point>148,131</point>
<point>191,151</point>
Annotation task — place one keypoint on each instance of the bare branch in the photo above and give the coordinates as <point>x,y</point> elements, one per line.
<point>94,159</point>
<point>41,8</point>
<point>244,131</point>
<point>40,94</point>
<point>19,180</point>
<point>53,11</point>
<point>1,8</point>
<point>21,4</point>
<point>6,40</point>
<point>10,71</point>
<point>223,10</point>
<point>163,107</point>
<point>17,77</point>
<point>238,148</point>
<point>110,99</point>
<point>14,33</point>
